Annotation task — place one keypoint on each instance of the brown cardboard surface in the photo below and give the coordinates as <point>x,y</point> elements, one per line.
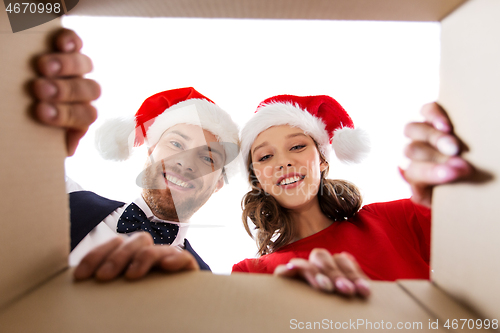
<point>386,10</point>
<point>35,247</point>
<point>466,228</point>
<point>200,302</point>
<point>34,237</point>
<point>441,305</point>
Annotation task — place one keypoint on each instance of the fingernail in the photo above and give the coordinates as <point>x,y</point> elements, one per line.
<point>447,146</point>
<point>344,286</point>
<point>106,269</point>
<point>443,172</point>
<point>172,257</point>
<point>53,66</point>
<point>404,163</point>
<point>133,267</point>
<point>70,46</point>
<point>81,271</point>
<point>324,282</point>
<point>363,287</point>
<point>457,162</point>
<point>290,266</point>
<point>132,271</point>
<point>47,112</point>
<point>440,125</point>
<point>49,89</point>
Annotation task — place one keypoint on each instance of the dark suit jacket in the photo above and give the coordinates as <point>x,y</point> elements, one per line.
<point>89,209</point>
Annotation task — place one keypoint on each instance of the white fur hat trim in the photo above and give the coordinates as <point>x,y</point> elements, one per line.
<point>115,138</point>
<point>350,145</point>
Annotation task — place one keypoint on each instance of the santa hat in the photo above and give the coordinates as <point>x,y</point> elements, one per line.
<point>116,137</point>
<point>320,117</point>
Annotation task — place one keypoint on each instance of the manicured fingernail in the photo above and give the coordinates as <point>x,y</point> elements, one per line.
<point>53,66</point>
<point>442,172</point>
<point>447,146</point>
<point>70,46</point>
<point>457,162</point>
<point>441,125</point>
<point>290,266</point>
<point>344,286</point>
<point>49,89</point>
<point>324,282</point>
<point>363,287</point>
<point>47,112</point>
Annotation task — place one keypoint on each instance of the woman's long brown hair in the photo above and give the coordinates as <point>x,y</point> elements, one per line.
<point>338,199</point>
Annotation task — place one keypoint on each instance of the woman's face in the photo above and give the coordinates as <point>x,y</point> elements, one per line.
<point>287,165</point>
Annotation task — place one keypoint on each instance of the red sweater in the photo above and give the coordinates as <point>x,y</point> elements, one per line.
<point>390,240</point>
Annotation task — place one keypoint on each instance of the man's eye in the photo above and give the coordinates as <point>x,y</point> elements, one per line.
<point>208,159</point>
<point>297,147</point>
<point>263,158</point>
<point>176,144</point>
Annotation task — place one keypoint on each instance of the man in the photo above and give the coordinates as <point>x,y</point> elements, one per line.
<point>434,154</point>
<point>190,140</point>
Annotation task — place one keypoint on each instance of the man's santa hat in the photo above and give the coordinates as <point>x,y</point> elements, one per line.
<point>320,117</point>
<point>116,137</point>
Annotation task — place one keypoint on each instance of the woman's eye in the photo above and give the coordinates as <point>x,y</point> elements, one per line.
<point>176,144</point>
<point>263,158</point>
<point>297,147</point>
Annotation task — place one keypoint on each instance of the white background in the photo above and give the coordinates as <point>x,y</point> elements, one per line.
<point>381,72</point>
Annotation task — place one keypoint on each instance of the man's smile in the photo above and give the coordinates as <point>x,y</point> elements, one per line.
<point>177,182</point>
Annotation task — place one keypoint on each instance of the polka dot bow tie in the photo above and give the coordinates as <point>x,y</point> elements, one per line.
<point>134,219</point>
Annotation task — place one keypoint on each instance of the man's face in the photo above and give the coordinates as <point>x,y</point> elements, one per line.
<point>183,170</point>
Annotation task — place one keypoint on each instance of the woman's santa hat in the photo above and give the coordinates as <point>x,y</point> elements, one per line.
<point>116,137</point>
<point>320,117</point>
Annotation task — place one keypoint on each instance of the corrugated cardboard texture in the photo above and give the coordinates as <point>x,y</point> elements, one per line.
<point>34,237</point>
<point>200,302</point>
<point>441,305</point>
<point>466,228</point>
<point>386,10</point>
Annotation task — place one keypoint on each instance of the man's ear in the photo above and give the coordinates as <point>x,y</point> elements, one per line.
<point>220,183</point>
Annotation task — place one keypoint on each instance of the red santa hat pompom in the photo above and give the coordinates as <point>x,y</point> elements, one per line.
<point>116,137</point>
<point>321,117</point>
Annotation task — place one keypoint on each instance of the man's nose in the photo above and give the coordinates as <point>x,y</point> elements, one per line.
<point>186,160</point>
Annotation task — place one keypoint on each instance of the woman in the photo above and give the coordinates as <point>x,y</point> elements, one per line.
<point>296,209</point>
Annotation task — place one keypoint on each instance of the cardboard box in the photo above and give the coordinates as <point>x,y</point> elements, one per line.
<point>466,230</point>
<point>236,303</point>
<point>34,241</point>
<point>36,290</point>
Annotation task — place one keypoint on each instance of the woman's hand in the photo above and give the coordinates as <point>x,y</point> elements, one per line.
<point>434,154</point>
<point>133,258</point>
<point>338,273</point>
<point>62,95</point>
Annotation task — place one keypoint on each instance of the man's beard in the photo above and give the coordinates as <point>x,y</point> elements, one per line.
<point>160,200</point>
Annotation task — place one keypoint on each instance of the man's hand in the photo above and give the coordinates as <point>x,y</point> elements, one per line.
<point>63,95</point>
<point>434,154</point>
<point>134,258</point>
<point>338,273</point>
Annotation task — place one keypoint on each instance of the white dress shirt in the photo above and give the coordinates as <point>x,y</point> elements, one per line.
<point>106,230</point>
